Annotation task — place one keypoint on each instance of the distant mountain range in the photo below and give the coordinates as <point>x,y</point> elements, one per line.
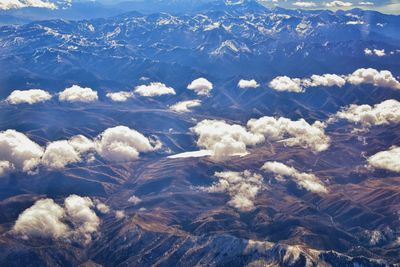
<point>240,39</point>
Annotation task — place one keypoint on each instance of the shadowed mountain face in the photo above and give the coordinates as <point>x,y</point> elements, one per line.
<point>170,211</point>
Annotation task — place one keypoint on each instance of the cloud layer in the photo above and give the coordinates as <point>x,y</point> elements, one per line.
<point>31,96</point>
<point>242,187</point>
<point>291,133</point>
<point>387,112</point>
<point>225,140</point>
<point>118,144</point>
<point>305,180</point>
<point>361,76</point>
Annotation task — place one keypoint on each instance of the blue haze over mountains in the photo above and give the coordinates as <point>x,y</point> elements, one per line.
<point>118,48</point>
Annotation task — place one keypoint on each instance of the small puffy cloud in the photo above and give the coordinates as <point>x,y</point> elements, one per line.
<point>366,3</point>
<point>376,52</point>
<point>368,52</point>
<point>387,112</point>
<point>326,80</point>
<point>201,86</point>
<point>292,133</point>
<point>185,106</point>
<point>17,4</point>
<point>248,84</point>
<point>84,219</point>
<point>18,152</point>
<point>103,208</point>
<point>285,83</point>
<point>31,96</point>
<point>154,89</point>
<point>305,180</point>
<point>223,139</point>
<point>120,96</point>
<point>382,78</point>
<point>387,160</point>
<point>120,214</point>
<point>134,200</point>
<point>338,4</point>
<point>242,187</point>
<point>45,219</point>
<point>305,4</point>
<point>76,93</point>
<point>380,53</point>
<point>121,144</point>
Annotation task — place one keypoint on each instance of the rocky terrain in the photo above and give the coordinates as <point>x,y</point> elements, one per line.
<point>330,204</point>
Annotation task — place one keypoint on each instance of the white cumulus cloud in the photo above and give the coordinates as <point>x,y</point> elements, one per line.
<point>46,219</point>
<point>31,96</point>
<point>121,144</point>
<point>376,52</point>
<point>85,221</point>
<point>305,4</point>
<point>326,80</point>
<point>223,139</point>
<point>366,3</point>
<point>154,89</point>
<point>387,112</point>
<point>119,96</point>
<point>387,160</point>
<point>248,84</point>
<point>18,152</point>
<point>375,77</point>
<point>43,220</point>
<point>307,181</point>
<point>185,106</point>
<point>201,86</point>
<point>242,187</point>
<point>292,133</point>
<point>382,78</point>
<point>285,83</point>
<point>339,4</point>
<point>58,154</point>
<point>118,144</point>
<point>76,93</point>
